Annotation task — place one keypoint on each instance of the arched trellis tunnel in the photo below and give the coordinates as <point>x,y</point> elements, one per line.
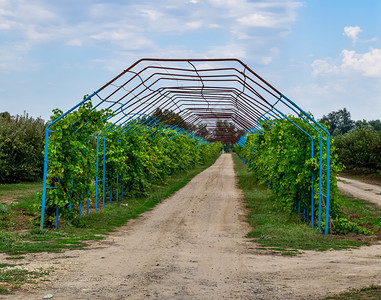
<point>208,99</point>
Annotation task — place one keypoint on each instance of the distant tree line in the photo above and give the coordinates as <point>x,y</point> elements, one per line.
<point>21,147</point>
<point>340,122</point>
<point>358,143</point>
<point>223,131</point>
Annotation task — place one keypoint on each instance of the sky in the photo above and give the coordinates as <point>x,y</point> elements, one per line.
<point>322,54</point>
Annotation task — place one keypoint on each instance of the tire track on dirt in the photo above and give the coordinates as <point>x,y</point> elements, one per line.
<point>358,189</point>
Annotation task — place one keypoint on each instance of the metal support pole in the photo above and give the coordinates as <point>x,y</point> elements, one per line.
<point>45,175</point>
<point>104,172</point>
<point>96,178</point>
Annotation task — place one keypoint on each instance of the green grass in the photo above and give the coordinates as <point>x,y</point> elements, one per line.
<point>363,175</point>
<point>7,189</point>
<point>364,213</point>
<point>278,231</point>
<point>15,257</point>
<point>24,216</point>
<point>369,293</point>
<point>13,278</point>
<point>2,265</point>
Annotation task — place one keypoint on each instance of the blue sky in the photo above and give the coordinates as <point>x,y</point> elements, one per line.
<point>322,54</point>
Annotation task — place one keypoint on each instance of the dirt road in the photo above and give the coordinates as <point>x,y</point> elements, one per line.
<point>192,246</point>
<point>360,190</point>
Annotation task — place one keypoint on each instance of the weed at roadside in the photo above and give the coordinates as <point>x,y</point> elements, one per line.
<point>13,278</point>
<point>369,293</point>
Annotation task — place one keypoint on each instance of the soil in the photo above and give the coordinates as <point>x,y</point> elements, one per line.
<point>360,189</point>
<point>193,246</point>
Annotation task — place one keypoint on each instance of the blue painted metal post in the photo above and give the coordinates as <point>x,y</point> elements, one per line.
<point>312,187</point>
<point>57,209</point>
<point>45,177</point>
<point>80,207</point>
<point>320,181</point>
<point>71,191</point>
<point>328,185</point>
<point>104,171</point>
<point>110,193</point>
<point>57,214</point>
<point>88,205</point>
<point>308,214</point>
<point>117,184</point>
<point>96,178</point>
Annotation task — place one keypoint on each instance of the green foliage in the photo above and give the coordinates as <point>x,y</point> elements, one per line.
<point>275,229</point>
<point>21,145</point>
<point>226,132</point>
<point>360,148</point>
<point>135,158</point>
<point>339,122</point>
<point>71,159</point>
<point>342,224</point>
<point>281,157</point>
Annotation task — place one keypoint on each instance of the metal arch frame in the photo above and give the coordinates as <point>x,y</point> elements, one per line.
<point>225,89</point>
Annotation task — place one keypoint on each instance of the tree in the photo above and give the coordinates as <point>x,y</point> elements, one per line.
<point>21,146</point>
<point>376,124</point>
<point>202,131</point>
<point>226,132</point>
<point>339,122</point>
<point>171,118</point>
<point>360,148</point>
<point>362,124</point>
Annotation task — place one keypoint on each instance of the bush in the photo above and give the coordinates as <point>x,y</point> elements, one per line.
<point>360,148</point>
<point>21,146</point>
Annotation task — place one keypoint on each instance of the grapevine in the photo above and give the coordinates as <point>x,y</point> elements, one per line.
<point>281,158</point>
<point>134,159</point>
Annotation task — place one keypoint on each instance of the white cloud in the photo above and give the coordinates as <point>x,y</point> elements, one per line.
<point>228,51</point>
<point>368,64</point>
<point>241,26</point>
<point>271,54</point>
<point>151,14</point>
<point>352,32</point>
<point>75,42</point>
<point>5,26</point>
<point>34,13</point>
<point>214,26</point>
<point>258,20</point>
<point>125,39</point>
<point>241,35</point>
<point>13,58</point>
<point>371,40</point>
<point>321,66</point>
<point>267,60</point>
<point>193,25</point>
